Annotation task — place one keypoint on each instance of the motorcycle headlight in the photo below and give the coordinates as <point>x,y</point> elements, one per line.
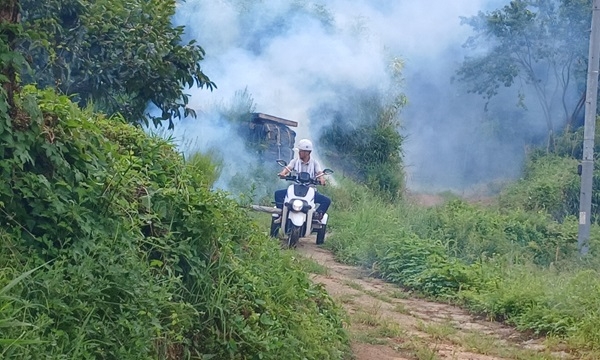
<point>297,205</point>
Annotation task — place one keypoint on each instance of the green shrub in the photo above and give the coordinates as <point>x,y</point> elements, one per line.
<point>424,266</point>
<point>470,232</point>
<point>140,258</point>
<point>365,143</point>
<point>205,165</point>
<point>550,184</point>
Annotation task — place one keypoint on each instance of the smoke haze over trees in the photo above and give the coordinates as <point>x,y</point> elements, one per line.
<point>540,50</point>
<point>297,57</point>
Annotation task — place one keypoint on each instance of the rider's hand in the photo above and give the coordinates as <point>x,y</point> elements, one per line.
<point>281,175</point>
<point>322,181</point>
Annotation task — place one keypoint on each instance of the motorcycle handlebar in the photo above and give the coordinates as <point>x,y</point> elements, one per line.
<point>295,178</point>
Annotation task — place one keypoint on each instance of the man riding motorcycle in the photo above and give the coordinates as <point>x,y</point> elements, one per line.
<point>304,163</point>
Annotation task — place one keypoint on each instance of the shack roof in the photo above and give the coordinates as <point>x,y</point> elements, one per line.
<point>261,118</point>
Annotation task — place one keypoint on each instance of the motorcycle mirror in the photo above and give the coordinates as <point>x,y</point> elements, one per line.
<point>325,172</point>
<point>282,163</point>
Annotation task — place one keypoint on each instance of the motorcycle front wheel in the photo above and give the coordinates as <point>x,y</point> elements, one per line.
<point>294,236</point>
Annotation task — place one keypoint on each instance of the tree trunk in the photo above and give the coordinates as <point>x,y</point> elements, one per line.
<point>9,18</point>
<point>576,112</point>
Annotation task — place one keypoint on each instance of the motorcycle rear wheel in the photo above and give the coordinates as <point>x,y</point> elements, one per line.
<point>274,228</point>
<point>321,235</point>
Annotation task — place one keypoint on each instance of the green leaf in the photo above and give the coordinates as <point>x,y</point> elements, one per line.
<point>18,279</point>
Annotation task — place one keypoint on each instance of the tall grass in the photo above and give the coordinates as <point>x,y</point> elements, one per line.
<point>13,331</point>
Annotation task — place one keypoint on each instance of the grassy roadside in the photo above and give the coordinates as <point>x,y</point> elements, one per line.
<point>515,266</point>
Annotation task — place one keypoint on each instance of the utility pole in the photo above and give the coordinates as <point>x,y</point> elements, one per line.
<point>587,163</point>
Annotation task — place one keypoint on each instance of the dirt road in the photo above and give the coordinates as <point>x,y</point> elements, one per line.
<point>388,323</point>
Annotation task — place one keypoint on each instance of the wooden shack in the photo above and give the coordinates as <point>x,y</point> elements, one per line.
<point>271,137</point>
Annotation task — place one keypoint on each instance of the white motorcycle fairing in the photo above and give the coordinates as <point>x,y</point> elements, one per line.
<point>297,218</point>
<point>306,194</point>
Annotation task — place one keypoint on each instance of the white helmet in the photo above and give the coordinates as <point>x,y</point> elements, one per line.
<point>305,145</point>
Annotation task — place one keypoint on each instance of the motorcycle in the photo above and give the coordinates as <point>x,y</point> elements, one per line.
<point>298,209</point>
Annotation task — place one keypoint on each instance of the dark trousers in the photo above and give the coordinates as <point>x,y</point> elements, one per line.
<point>320,199</point>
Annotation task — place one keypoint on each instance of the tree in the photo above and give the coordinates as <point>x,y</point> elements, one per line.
<point>119,55</point>
<point>9,59</point>
<point>362,135</point>
<point>535,44</point>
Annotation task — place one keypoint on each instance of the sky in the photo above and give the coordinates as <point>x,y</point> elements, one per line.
<point>294,57</point>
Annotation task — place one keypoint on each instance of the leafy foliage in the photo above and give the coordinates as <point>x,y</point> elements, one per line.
<point>137,257</point>
<point>549,184</point>
<point>363,137</point>
<point>539,44</point>
<point>119,56</point>
<point>369,150</point>
<point>10,60</point>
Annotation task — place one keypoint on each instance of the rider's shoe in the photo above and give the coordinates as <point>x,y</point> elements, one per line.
<point>318,216</point>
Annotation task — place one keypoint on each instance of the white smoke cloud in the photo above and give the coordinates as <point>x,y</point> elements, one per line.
<point>293,56</point>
